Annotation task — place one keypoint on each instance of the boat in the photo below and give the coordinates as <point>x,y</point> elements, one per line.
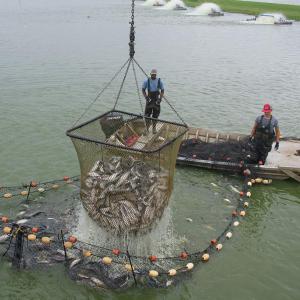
<point>269,19</point>
<point>282,164</point>
<point>216,13</point>
<point>180,7</point>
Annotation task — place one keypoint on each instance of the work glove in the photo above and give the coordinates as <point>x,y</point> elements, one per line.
<point>276,147</point>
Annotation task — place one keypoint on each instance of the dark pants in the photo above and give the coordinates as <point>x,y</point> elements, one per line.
<point>152,111</point>
<point>263,145</point>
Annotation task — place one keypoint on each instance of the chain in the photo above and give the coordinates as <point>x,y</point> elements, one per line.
<point>132,31</point>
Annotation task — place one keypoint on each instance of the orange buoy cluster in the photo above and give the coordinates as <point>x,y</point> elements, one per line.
<point>34,187</point>
<point>188,260</point>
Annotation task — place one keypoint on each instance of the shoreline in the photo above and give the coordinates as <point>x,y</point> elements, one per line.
<point>291,11</point>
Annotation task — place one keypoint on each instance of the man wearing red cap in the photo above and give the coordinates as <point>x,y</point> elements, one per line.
<point>264,132</point>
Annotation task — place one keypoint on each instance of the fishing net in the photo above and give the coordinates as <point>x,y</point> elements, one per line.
<point>228,151</point>
<point>43,238</point>
<point>127,166</point>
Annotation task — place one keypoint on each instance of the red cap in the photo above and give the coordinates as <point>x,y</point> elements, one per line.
<point>267,108</point>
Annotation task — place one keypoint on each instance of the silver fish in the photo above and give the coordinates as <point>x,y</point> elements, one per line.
<point>22,221</point>
<point>97,282</point>
<point>234,189</point>
<point>4,238</point>
<point>74,263</point>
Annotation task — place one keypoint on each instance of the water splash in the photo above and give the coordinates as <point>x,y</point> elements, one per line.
<point>174,5</point>
<point>161,240</point>
<point>154,3</point>
<point>206,9</point>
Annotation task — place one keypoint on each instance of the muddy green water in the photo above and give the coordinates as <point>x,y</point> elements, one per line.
<point>54,57</point>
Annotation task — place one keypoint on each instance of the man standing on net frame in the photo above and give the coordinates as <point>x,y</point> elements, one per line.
<point>153,96</point>
<point>264,132</point>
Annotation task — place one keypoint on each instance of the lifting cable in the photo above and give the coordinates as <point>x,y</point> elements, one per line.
<point>130,61</point>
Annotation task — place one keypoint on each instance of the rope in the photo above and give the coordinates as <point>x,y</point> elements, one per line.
<point>171,106</point>
<point>137,88</point>
<point>122,84</point>
<point>101,92</point>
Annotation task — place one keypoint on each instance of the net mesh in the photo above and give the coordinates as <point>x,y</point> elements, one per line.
<point>127,167</point>
<point>227,151</point>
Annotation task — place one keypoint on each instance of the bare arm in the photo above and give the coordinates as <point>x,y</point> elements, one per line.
<point>277,134</point>
<point>254,129</point>
<point>162,92</point>
<point>144,93</point>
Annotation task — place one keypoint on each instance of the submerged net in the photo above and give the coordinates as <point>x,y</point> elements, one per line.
<point>228,151</point>
<point>127,166</point>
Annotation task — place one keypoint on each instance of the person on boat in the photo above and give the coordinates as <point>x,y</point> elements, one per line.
<point>153,91</point>
<point>264,132</point>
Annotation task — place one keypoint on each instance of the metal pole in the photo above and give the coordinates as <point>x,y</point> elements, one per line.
<point>17,259</point>
<point>132,271</point>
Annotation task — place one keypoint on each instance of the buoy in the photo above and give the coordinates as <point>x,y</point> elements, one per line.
<point>66,178</point>
<point>116,251</point>
<point>107,260</point>
<point>24,193</point>
<point>87,253</point>
<point>247,172</point>
<point>55,186</point>
<point>4,219</point>
<point>234,213</point>
<point>35,229</point>
<point>246,204</point>
<point>31,237</point>
<point>172,272</point>
<point>213,242</point>
<point>46,240</point>
<point>153,273</point>
<point>219,247</point>
<point>270,181</point>
<point>183,255</point>
<point>72,239</point>
<point>7,230</point>
<point>241,194</point>
<point>129,268</point>
<point>190,266</point>
<point>249,183</point>
<point>242,213</point>
<point>205,257</point>
<point>229,235</point>
<point>265,181</point>
<point>33,184</point>
<point>7,195</point>
<point>153,258</point>
<point>258,180</point>
<point>41,190</point>
<point>248,194</point>
<point>236,223</point>
<point>68,245</point>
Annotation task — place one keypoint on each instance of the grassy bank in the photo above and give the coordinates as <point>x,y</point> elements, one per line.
<point>252,8</point>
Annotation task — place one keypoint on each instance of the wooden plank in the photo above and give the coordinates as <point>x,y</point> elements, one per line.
<point>290,173</point>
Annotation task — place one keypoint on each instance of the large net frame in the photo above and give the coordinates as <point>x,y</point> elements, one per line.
<point>126,170</point>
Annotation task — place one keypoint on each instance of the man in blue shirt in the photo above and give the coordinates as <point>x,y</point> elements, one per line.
<point>155,92</point>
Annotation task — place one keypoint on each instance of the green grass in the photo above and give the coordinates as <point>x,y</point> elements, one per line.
<point>252,8</point>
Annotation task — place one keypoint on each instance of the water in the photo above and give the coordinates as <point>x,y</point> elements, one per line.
<point>56,55</point>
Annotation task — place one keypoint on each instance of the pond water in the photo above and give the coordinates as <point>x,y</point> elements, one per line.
<point>55,57</point>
